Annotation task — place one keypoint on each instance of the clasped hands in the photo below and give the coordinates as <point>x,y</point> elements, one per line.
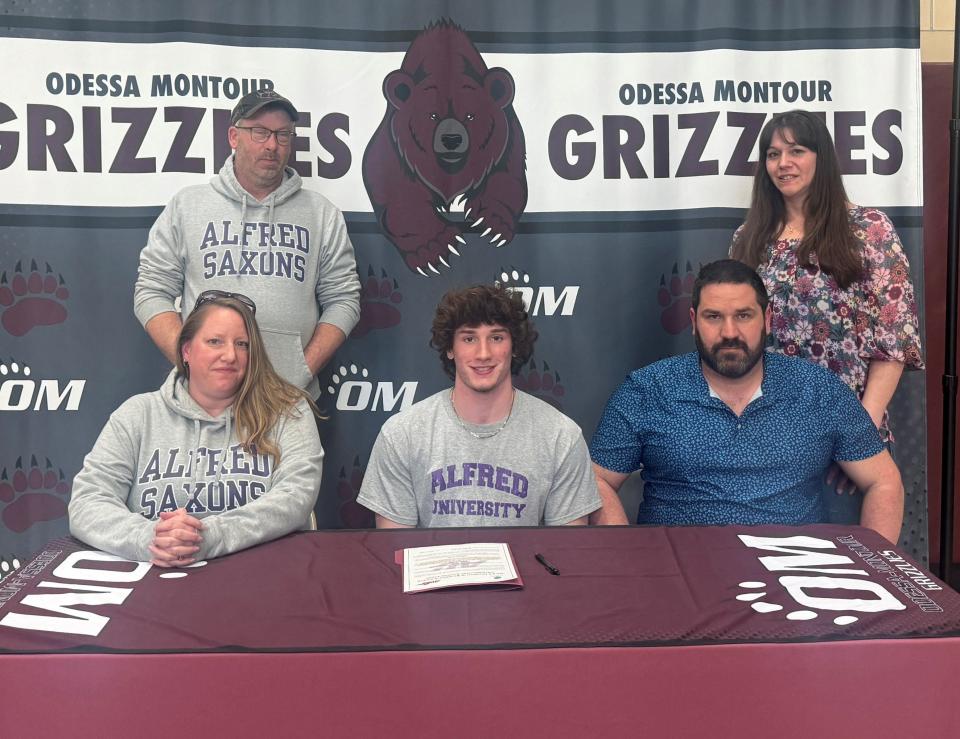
<point>176,539</point>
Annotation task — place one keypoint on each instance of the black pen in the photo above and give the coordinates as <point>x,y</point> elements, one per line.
<point>543,560</point>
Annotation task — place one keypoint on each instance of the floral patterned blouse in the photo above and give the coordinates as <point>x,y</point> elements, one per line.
<point>875,318</point>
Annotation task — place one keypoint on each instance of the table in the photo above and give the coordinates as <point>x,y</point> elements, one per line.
<point>729,631</point>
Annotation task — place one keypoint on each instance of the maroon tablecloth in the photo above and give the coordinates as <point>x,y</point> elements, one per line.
<point>341,591</point>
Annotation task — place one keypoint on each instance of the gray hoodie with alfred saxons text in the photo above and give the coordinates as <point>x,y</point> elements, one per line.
<point>290,253</point>
<point>160,451</point>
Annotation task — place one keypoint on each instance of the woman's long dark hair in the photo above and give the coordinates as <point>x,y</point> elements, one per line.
<point>827,230</point>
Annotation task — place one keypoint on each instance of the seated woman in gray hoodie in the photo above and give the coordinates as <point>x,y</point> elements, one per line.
<point>225,455</point>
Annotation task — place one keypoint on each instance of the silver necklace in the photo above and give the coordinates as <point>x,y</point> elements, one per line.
<point>483,434</point>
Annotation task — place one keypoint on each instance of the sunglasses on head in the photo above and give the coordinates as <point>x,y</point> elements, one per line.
<point>208,296</point>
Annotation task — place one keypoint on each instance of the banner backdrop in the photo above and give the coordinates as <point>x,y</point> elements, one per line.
<point>637,122</point>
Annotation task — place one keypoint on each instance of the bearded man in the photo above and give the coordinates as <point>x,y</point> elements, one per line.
<point>733,434</point>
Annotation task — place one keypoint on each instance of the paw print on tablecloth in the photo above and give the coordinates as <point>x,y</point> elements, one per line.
<point>799,615</point>
<point>35,300</point>
<point>352,514</point>
<point>544,384</point>
<point>34,495</point>
<point>379,299</point>
<point>8,564</point>
<point>675,298</point>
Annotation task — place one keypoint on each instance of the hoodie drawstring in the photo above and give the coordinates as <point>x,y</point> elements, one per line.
<point>226,445</point>
<point>243,230</point>
<point>196,452</point>
<point>273,201</point>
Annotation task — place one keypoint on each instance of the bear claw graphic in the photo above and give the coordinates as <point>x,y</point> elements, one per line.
<point>352,514</point>
<point>675,300</point>
<point>495,220</point>
<point>35,300</point>
<point>426,258</point>
<point>378,301</point>
<point>34,495</point>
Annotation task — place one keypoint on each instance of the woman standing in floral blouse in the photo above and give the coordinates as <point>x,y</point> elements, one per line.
<point>838,279</point>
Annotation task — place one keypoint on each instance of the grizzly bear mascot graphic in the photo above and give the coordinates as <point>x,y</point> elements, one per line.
<point>449,132</point>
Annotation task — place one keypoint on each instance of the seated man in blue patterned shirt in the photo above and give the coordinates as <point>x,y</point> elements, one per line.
<point>734,434</point>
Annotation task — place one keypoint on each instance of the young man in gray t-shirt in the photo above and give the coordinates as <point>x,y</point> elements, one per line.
<point>481,453</point>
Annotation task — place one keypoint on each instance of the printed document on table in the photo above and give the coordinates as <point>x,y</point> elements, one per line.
<point>458,565</point>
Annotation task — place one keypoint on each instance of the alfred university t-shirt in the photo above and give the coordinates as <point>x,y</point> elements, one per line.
<point>427,470</point>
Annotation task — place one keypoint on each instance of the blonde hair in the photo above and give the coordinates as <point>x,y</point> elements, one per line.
<point>264,397</point>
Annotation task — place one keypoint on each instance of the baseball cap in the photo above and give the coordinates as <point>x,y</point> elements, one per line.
<point>254,101</point>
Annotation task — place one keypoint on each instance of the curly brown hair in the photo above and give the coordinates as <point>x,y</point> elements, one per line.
<point>483,304</point>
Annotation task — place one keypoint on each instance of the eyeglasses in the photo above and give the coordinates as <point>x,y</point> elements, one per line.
<point>209,296</point>
<point>261,134</point>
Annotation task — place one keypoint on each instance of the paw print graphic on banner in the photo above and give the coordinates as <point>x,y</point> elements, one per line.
<point>354,389</point>
<point>31,301</point>
<point>352,514</point>
<point>33,496</point>
<point>544,384</point>
<point>675,299</point>
<point>343,373</point>
<point>513,278</point>
<point>540,300</point>
<point>13,368</point>
<point>517,281</point>
<point>379,301</point>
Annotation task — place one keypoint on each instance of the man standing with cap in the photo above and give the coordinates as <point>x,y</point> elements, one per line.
<point>253,230</point>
